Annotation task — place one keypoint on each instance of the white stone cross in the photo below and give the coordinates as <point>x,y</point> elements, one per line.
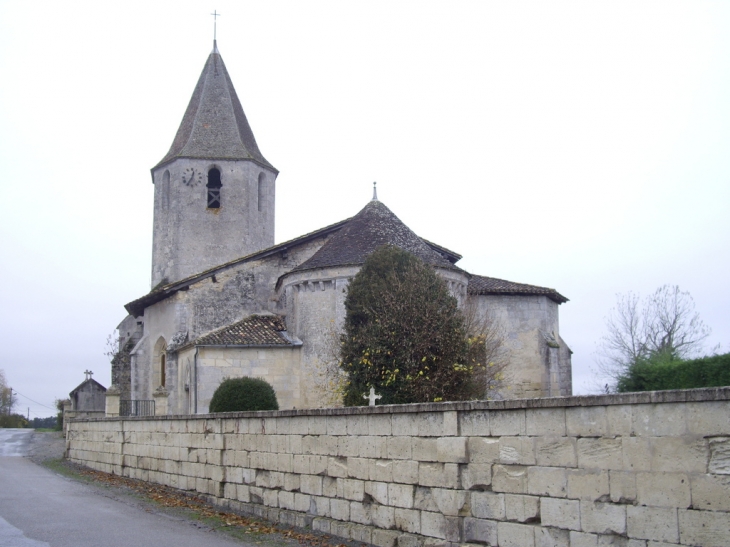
<point>372,397</point>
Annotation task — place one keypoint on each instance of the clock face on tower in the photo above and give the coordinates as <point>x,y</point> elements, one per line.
<point>191,177</point>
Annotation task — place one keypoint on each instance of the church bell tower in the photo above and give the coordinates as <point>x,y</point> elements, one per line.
<point>214,190</point>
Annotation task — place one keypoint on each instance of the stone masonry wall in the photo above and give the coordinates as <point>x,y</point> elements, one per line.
<point>635,470</point>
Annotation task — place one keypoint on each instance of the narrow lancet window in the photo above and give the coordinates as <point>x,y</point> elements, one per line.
<point>262,180</point>
<point>214,189</point>
<point>160,355</point>
<point>165,190</point>
<point>163,362</point>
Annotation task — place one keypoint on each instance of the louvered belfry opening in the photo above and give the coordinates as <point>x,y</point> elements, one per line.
<point>214,189</point>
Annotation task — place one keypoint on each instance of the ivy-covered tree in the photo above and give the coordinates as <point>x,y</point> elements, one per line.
<point>404,335</point>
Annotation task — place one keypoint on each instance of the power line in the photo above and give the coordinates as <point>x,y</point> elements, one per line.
<point>38,415</point>
<point>32,401</point>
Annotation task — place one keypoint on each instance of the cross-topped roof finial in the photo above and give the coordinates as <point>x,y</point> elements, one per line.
<point>88,374</point>
<point>375,192</point>
<point>215,15</point>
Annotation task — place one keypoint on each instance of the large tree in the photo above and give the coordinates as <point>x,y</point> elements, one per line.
<point>405,336</point>
<point>663,326</point>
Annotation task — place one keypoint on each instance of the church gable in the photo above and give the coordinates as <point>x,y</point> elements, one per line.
<point>88,396</point>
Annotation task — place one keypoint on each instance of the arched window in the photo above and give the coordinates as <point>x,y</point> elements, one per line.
<point>165,190</point>
<point>262,180</point>
<point>160,364</point>
<point>214,188</point>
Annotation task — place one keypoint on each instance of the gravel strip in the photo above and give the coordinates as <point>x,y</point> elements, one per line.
<point>46,445</point>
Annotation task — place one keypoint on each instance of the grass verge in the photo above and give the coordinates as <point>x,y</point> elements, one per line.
<point>194,508</point>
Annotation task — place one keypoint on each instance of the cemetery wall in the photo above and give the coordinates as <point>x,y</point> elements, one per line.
<point>635,470</point>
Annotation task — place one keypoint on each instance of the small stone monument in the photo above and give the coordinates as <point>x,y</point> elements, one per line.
<point>160,397</point>
<point>372,397</point>
<point>112,401</point>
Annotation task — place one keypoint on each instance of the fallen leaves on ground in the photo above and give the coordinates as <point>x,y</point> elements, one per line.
<point>170,497</point>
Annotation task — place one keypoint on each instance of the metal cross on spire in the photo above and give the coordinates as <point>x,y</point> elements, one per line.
<point>215,15</point>
<point>375,192</point>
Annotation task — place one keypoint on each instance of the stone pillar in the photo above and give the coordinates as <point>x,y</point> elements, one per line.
<point>112,401</point>
<point>68,414</point>
<point>160,396</point>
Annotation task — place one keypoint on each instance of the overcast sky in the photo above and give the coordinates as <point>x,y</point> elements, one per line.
<point>576,145</point>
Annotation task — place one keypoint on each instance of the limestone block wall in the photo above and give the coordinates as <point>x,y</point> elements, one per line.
<point>188,237</point>
<point>635,470</point>
<point>536,369</point>
<point>315,314</point>
<point>278,366</point>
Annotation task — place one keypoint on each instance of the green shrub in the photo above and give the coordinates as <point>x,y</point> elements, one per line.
<point>240,394</point>
<point>13,420</point>
<point>666,373</point>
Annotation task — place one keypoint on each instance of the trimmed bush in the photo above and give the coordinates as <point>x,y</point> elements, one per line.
<point>240,394</point>
<point>659,374</point>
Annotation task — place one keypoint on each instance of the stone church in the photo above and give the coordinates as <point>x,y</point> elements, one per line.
<point>228,301</point>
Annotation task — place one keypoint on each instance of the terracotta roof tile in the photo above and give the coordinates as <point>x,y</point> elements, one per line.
<point>256,330</point>
<point>479,284</point>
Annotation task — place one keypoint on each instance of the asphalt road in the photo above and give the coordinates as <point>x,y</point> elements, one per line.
<point>39,508</point>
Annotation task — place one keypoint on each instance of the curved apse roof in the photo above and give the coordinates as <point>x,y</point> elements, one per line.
<point>214,125</point>
<point>375,225</point>
<point>479,284</point>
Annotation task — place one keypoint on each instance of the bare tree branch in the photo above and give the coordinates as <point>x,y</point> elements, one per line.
<point>666,323</point>
<point>488,336</point>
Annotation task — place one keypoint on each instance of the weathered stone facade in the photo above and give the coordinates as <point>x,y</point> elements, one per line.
<point>214,150</point>
<point>637,470</point>
<point>215,265</point>
<point>189,237</point>
<point>532,336</point>
<point>88,396</point>
<point>130,332</point>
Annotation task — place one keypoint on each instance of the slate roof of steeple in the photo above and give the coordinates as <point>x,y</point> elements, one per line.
<point>374,226</point>
<point>479,284</point>
<point>214,125</point>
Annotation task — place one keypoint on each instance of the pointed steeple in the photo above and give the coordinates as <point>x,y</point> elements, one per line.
<point>214,125</point>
